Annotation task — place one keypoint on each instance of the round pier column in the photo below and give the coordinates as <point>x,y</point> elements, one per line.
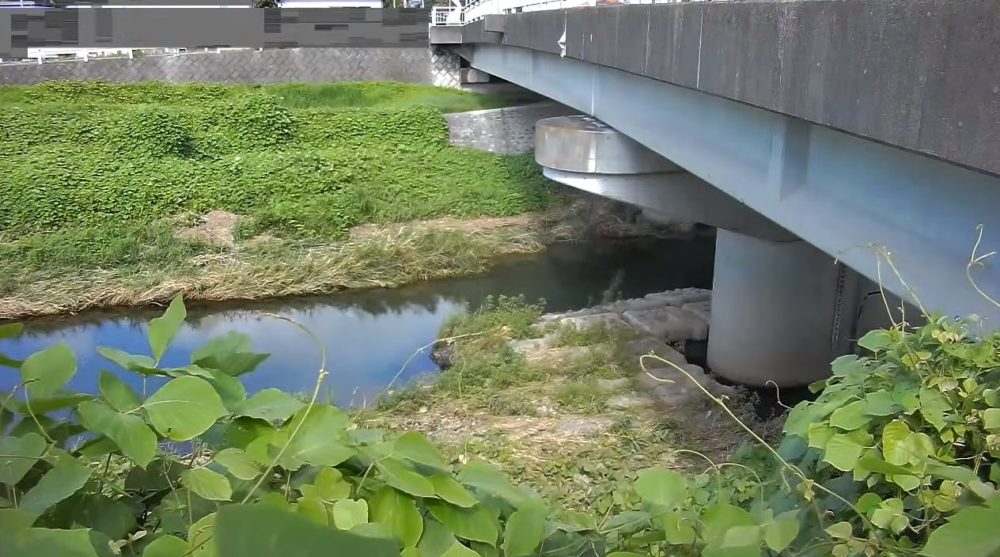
<point>780,311</point>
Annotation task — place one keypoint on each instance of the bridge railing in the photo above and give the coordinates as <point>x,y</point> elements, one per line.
<point>478,9</point>
<point>447,15</point>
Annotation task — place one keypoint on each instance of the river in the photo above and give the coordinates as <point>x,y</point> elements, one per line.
<point>370,334</point>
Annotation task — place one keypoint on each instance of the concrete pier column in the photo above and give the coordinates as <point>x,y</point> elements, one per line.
<point>781,311</point>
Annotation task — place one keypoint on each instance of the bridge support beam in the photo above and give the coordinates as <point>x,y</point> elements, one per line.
<point>781,311</point>
<point>781,308</point>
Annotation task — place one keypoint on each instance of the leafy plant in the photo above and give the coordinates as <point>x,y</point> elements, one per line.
<point>198,468</point>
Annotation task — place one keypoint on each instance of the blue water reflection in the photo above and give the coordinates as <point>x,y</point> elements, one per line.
<point>370,334</point>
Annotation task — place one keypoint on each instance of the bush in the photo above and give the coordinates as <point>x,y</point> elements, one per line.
<point>152,132</point>
<point>267,475</point>
<point>897,456</point>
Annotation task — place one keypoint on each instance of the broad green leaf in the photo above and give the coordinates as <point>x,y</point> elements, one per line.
<point>113,518</point>
<point>45,372</point>
<point>65,478</point>
<point>329,485</point>
<point>934,407</point>
<point>398,513</point>
<point>237,463</point>
<point>676,529</point>
<point>50,403</point>
<point>873,463</point>
<point>782,531</point>
<point>991,419</point>
<point>483,476</point>
<point>436,540</point>
<point>201,537</point>
<point>525,531</point>
<point>881,403</point>
<point>14,519</point>
<point>316,441</point>
<point>907,482</point>
<point>840,530</point>
<point>348,513</point>
<point>451,491</point>
<point>143,365</point>
<point>894,437</point>
<point>128,431</point>
<point>272,405</point>
<point>819,435</point>
<point>720,518</point>
<point>166,546</point>
<point>875,340</point>
<point>231,354</point>
<point>459,550</point>
<point>18,455</point>
<point>475,524</point>
<point>850,417</point>
<point>44,542</point>
<point>868,502</point>
<point>119,395</point>
<point>799,419</point>
<point>184,408</point>
<point>657,486</point>
<point>416,448</point>
<point>398,475</point>
<point>163,329</point>
<point>314,509</point>
<point>627,522</point>
<point>230,389</point>
<point>842,452</point>
<point>625,554</point>
<point>890,515</point>
<point>741,536</point>
<point>845,365</point>
<point>207,484</point>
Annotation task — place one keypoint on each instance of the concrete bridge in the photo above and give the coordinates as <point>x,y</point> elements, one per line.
<point>807,131</point>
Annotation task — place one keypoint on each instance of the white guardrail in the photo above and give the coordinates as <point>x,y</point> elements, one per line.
<point>478,9</point>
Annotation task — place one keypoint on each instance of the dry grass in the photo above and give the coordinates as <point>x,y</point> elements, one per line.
<point>382,257</point>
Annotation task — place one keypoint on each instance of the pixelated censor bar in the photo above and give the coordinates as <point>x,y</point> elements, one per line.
<point>164,26</point>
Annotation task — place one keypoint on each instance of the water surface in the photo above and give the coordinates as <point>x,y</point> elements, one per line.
<point>370,334</point>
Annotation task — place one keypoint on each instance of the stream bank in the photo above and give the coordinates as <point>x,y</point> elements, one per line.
<point>561,402</point>
<point>211,262</point>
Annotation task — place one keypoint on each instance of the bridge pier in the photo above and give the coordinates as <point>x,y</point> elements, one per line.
<point>781,311</point>
<point>781,308</point>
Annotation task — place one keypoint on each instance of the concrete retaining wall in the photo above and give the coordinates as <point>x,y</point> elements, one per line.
<point>505,131</point>
<point>414,65</point>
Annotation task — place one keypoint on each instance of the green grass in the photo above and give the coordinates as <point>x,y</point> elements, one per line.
<point>95,176</point>
<point>290,95</point>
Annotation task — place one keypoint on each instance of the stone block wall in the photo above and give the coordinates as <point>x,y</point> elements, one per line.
<point>408,64</point>
<point>505,131</point>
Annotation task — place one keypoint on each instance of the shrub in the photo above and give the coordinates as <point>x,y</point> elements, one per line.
<point>897,456</point>
<point>266,474</point>
<point>152,132</point>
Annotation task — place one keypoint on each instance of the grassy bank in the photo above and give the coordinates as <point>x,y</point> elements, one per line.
<point>567,420</point>
<point>112,192</point>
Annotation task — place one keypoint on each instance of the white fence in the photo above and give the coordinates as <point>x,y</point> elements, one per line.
<point>478,9</point>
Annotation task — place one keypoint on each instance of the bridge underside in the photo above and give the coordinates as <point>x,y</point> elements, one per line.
<point>846,195</point>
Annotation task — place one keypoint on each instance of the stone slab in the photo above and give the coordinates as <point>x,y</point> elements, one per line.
<point>701,309</point>
<point>649,345</point>
<point>668,323</point>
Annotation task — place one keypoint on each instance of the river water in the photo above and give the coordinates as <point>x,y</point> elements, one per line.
<point>370,334</point>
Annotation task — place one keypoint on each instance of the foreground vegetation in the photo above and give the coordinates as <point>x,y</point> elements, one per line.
<point>896,456</point>
<point>114,186</point>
